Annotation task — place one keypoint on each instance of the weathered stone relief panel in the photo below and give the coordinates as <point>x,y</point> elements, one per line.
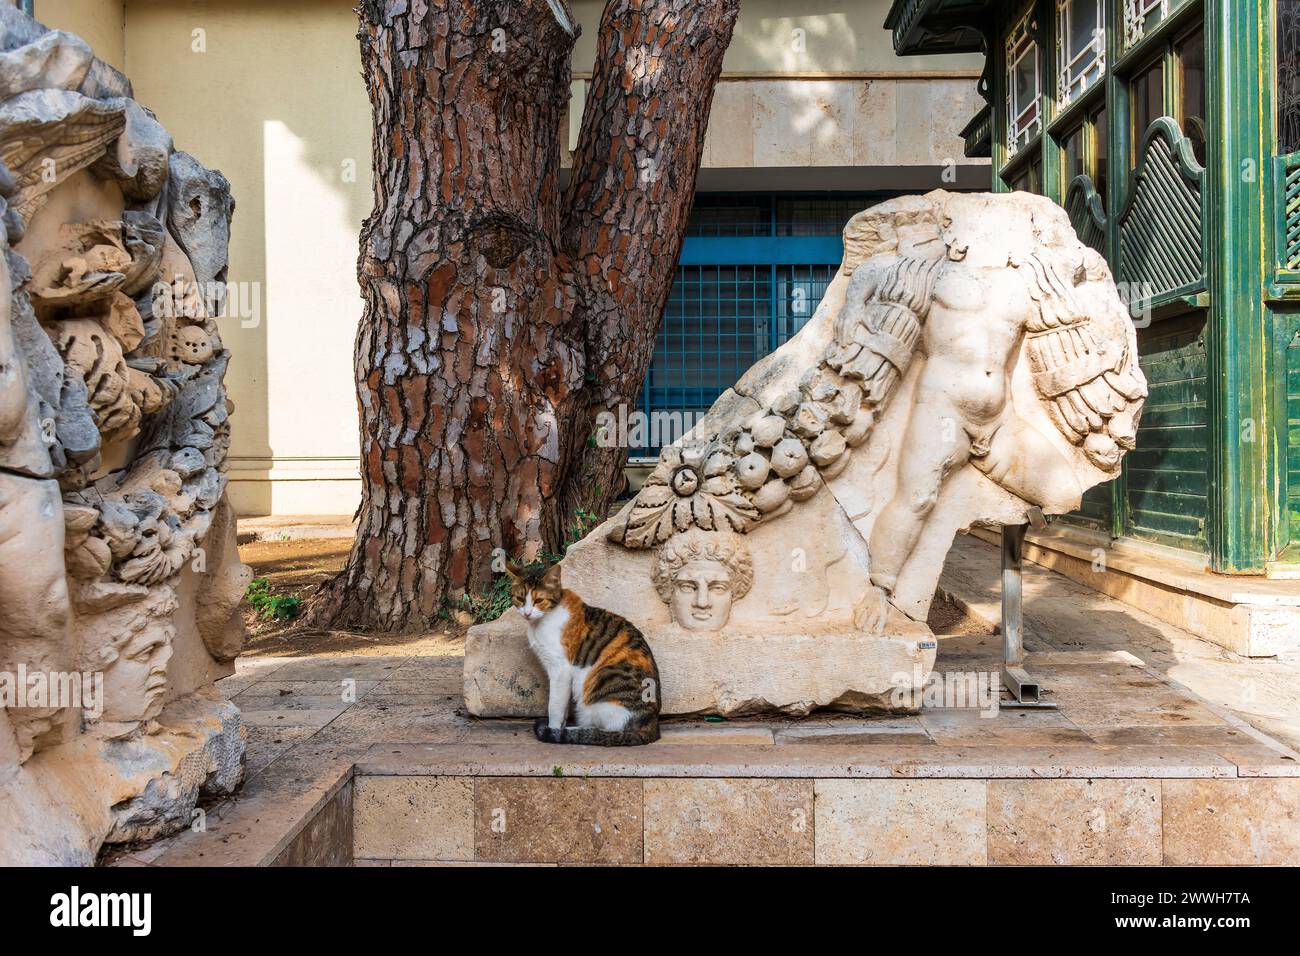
<point>970,362</point>
<point>118,576</point>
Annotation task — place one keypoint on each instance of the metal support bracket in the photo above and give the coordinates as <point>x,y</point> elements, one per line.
<point>1025,691</point>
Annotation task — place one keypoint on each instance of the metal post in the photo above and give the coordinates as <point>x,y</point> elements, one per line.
<point>1013,618</point>
<point>28,7</point>
<point>1014,677</point>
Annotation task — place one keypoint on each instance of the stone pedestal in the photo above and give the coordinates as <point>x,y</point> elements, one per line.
<point>727,674</point>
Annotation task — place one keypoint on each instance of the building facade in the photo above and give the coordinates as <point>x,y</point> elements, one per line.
<point>814,117</point>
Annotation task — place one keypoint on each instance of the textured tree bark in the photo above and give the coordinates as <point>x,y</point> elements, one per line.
<point>500,316</point>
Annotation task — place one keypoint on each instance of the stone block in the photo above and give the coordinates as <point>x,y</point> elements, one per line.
<point>413,818</point>
<point>901,822</point>
<point>1250,822</point>
<point>1114,822</point>
<point>741,674</point>
<point>557,820</point>
<point>728,822</point>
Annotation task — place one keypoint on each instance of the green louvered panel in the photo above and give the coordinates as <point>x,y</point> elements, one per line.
<point>1167,475</point>
<point>1293,433</point>
<point>1288,217</point>
<point>1095,510</point>
<point>1084,207</point>
<point>978,134</point>
<point>1160,239</point>
<point>1292,211</point>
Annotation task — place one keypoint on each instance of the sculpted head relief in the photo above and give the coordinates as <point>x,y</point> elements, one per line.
<point>700,574</point>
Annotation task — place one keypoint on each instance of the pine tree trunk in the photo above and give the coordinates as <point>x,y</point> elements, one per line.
<point>499,316</point>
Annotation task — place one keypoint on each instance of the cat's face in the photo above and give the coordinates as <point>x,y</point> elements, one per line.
<point>534,592</point>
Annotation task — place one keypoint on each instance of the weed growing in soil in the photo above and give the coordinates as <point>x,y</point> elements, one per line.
<point>272,607</point>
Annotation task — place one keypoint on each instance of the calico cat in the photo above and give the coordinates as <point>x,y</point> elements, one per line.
<point>594,660</point>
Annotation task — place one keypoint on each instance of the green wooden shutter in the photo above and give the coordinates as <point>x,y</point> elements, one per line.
<point>1166,476</point>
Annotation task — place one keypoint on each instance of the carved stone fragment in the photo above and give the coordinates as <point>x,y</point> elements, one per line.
<point>970,362</point>
<point>114,428</point>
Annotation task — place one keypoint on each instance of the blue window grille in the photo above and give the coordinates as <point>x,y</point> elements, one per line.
<point>753,270</point>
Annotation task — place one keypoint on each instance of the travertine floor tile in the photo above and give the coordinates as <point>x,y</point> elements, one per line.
<point>414,818</point>
<point>901,822</point>
<point>698,821</point>
<point>557,820</point>
<point>1232,822</point>
<point>1074,822</point>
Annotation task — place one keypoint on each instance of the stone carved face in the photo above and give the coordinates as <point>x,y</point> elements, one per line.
<point>131,646</point>
<point>699,575</point>
<point>701,598</point>
<point>134,683</point>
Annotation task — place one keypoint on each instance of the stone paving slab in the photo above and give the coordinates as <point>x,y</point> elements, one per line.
<point>526,759</point>
<point>1065,617</point>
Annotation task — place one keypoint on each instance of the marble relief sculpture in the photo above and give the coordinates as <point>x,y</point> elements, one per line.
<point>118,576</point>
<point>971,361</point>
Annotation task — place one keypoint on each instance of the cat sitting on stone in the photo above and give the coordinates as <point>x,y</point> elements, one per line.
<point>594,660</point>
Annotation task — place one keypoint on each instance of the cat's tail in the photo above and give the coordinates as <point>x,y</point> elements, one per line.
<point>647,733</point>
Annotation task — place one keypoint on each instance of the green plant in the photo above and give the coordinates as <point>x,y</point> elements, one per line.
<point>488,606</point>
<point>495,601</point>
<point>272,607</point>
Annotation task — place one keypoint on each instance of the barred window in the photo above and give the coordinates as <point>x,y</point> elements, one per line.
<point>1140,16</point>
<point>1288,76</point>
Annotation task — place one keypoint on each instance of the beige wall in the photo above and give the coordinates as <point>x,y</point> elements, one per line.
<point>839,36</point>
<point>101,23</point>
<point>270,92</point>
<point>840,122</point>
<point>275,101</point>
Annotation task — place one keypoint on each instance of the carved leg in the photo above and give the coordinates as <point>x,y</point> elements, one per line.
<point>936,444</point>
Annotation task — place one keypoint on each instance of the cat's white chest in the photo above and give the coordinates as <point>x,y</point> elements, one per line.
<point>546,638</point>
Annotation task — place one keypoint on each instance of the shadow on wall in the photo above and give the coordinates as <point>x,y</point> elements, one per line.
<point>269,91</point>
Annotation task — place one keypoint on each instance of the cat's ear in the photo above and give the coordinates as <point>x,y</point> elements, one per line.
<point>514,570</point>
<point>551,579</point>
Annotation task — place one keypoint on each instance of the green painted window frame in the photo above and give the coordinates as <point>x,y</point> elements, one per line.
<point>1091,72</point>
<point>1086,122</point>
<point>1029,26</point>
<point>1105,101</point>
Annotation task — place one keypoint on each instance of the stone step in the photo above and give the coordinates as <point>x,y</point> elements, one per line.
<point>825,805</point>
